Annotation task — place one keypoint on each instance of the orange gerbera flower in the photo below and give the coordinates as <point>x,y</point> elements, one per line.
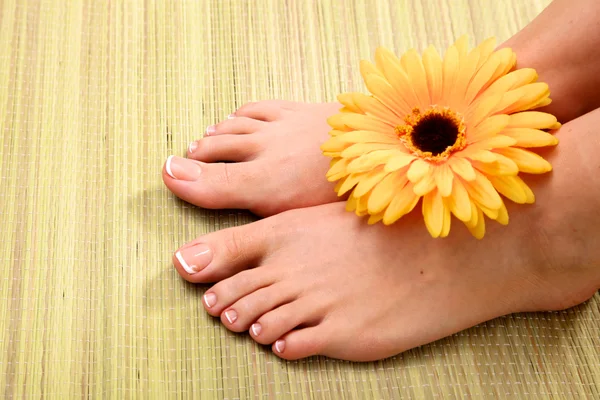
<point>452,132</point>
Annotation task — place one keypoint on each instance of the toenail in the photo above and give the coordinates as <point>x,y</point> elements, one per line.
<point>231,316</point>
<point>194,258</point>
<point>280,346</point>
<point>210,299</point>
<point>256,328</point>
<point>182,168</point>
<point>231,116</point>
<point>210,130</point>
<point>192,147</point>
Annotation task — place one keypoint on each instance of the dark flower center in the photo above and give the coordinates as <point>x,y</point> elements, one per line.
<point>434,133</point>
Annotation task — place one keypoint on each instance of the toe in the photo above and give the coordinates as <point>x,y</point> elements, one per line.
<point>302,343</point>
<point>224,148</point>
<point>225,293</point>
<point>276,323</point>
<point>269,110</point>
<point>214,186</point>
<point>221,254</point>
<point>240,315</point>
<point>235,126</point>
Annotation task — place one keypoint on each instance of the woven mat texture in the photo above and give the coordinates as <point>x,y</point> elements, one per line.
<point>94,95</point>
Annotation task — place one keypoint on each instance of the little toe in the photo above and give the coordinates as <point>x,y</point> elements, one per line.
<point>221,254</point>
<point>214,185</point>
<point>268,110</point>
<point>224,148</point>
<point>238,125</point>
<point>301,343</point>
<point>229,291</point>
<point>276,323</point>
<point>239,316</point>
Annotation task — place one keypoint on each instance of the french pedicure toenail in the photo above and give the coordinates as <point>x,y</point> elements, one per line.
<point>182,168</point>
<point>194,258</point>
<point>256,328</point>
<point>210,130</point>
<point>231,116</point>
<point>192,147</point>
<point>231,316</point>
<point>210,299</point>
<point>280,346</point>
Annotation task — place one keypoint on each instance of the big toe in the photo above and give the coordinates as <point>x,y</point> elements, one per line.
<point>216,185</point>
<point>221,254</point>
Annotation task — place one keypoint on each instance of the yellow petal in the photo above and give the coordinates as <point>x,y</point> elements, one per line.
<point>402,203</point>
<point>467,70</point>
<point>417,170</point>
<point>411,62</point>
<point>510,187</point>
<point>432,62</point>
<point>486,49</point>
<point>474,218</point>
<point>462,168</point>
<point>502,215</point>
<point>443,180</point>
<point>523,98</point>
<point>433,213</point>
<point>372,106</point>
<point>351,204</point>
<point>338,170</point>
<point>347,101</point>
<point>367,69</point>
<point>490,213</point>
<point>450,71</point>
<point>483,77</point>
<point>493,142</point>
<point>488,127</point>
<point>425,185</point>
<point>398,78</point>
<point>375,218</point>
<point>358,149</point>
<point>526,160</point>
<point>532,119</point>
<point>365,137</point>
<point>382,90</point>
<point>502,166</point>
<point>527,137</point>
<point>334,144</point>
<point>478,230</point>
<point>482,108</point>
<point>369,161</point>
<point>384,191</point>
<point>361,204</point>
<point>459,202</point>
<point>447,222</point>
<point>349,182</point>
<point>513,80</point>
<point>369,181</point>
<point>462,47</point>
<point>482,191</point>
<point>362,122</point>
<point>474,154</point>
<point>399,161</point>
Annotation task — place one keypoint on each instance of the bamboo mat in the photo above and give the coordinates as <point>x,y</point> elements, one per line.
<point>94,95</point>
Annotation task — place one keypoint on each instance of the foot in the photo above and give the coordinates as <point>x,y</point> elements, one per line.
<point>321,281</point>
<point>274,160</point>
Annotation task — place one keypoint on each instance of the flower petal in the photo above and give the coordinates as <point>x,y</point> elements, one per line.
<point>523,98</point>
<point>425,185</point>
<point>513,80</point>
<point>347,101</point>
<point>447,222</point>
<point>367,162</point>
<point>483,77</point>
<point>361,122</point>
<point>433,213</point>
<point>527,137</point>
<point>526,160</point>
<point>450,71</point>
<point>367,183</point>
<point>432,62</point>
<point>533,120</point>
<point>372,106</point>
<point>381,89</point>
<point>367,137</point>
<point>399,161</point>
<point>502,166</point>
<point>465,75</point>
<point>478,228</point>
<point>487,128</point>
<point>411,62</point>
<point>462,168</point>
<point>481,109</point>
<point>459,202</point>
<point>443,179</point>
<point>510,187</point>
<point>338,169</point>
<point>359,149</point>
<point>398,78</point>
<point>384,191</point>
<point>486,49</point>
<point>482,191</point>
<point>418,169</point>
<point>402,203</point>
<point>493,142</point>
<point>367,69</point>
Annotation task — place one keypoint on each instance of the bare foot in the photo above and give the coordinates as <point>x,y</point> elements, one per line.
<point>278,165</point>
<point>321,281</point>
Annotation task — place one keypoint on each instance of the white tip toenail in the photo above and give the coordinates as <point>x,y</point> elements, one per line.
<point>185,265</point>
<point>280,346</point>
<point>168,167</point>
<point>193,146</point>
<point>231,116</point>
<point>231,316</point>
